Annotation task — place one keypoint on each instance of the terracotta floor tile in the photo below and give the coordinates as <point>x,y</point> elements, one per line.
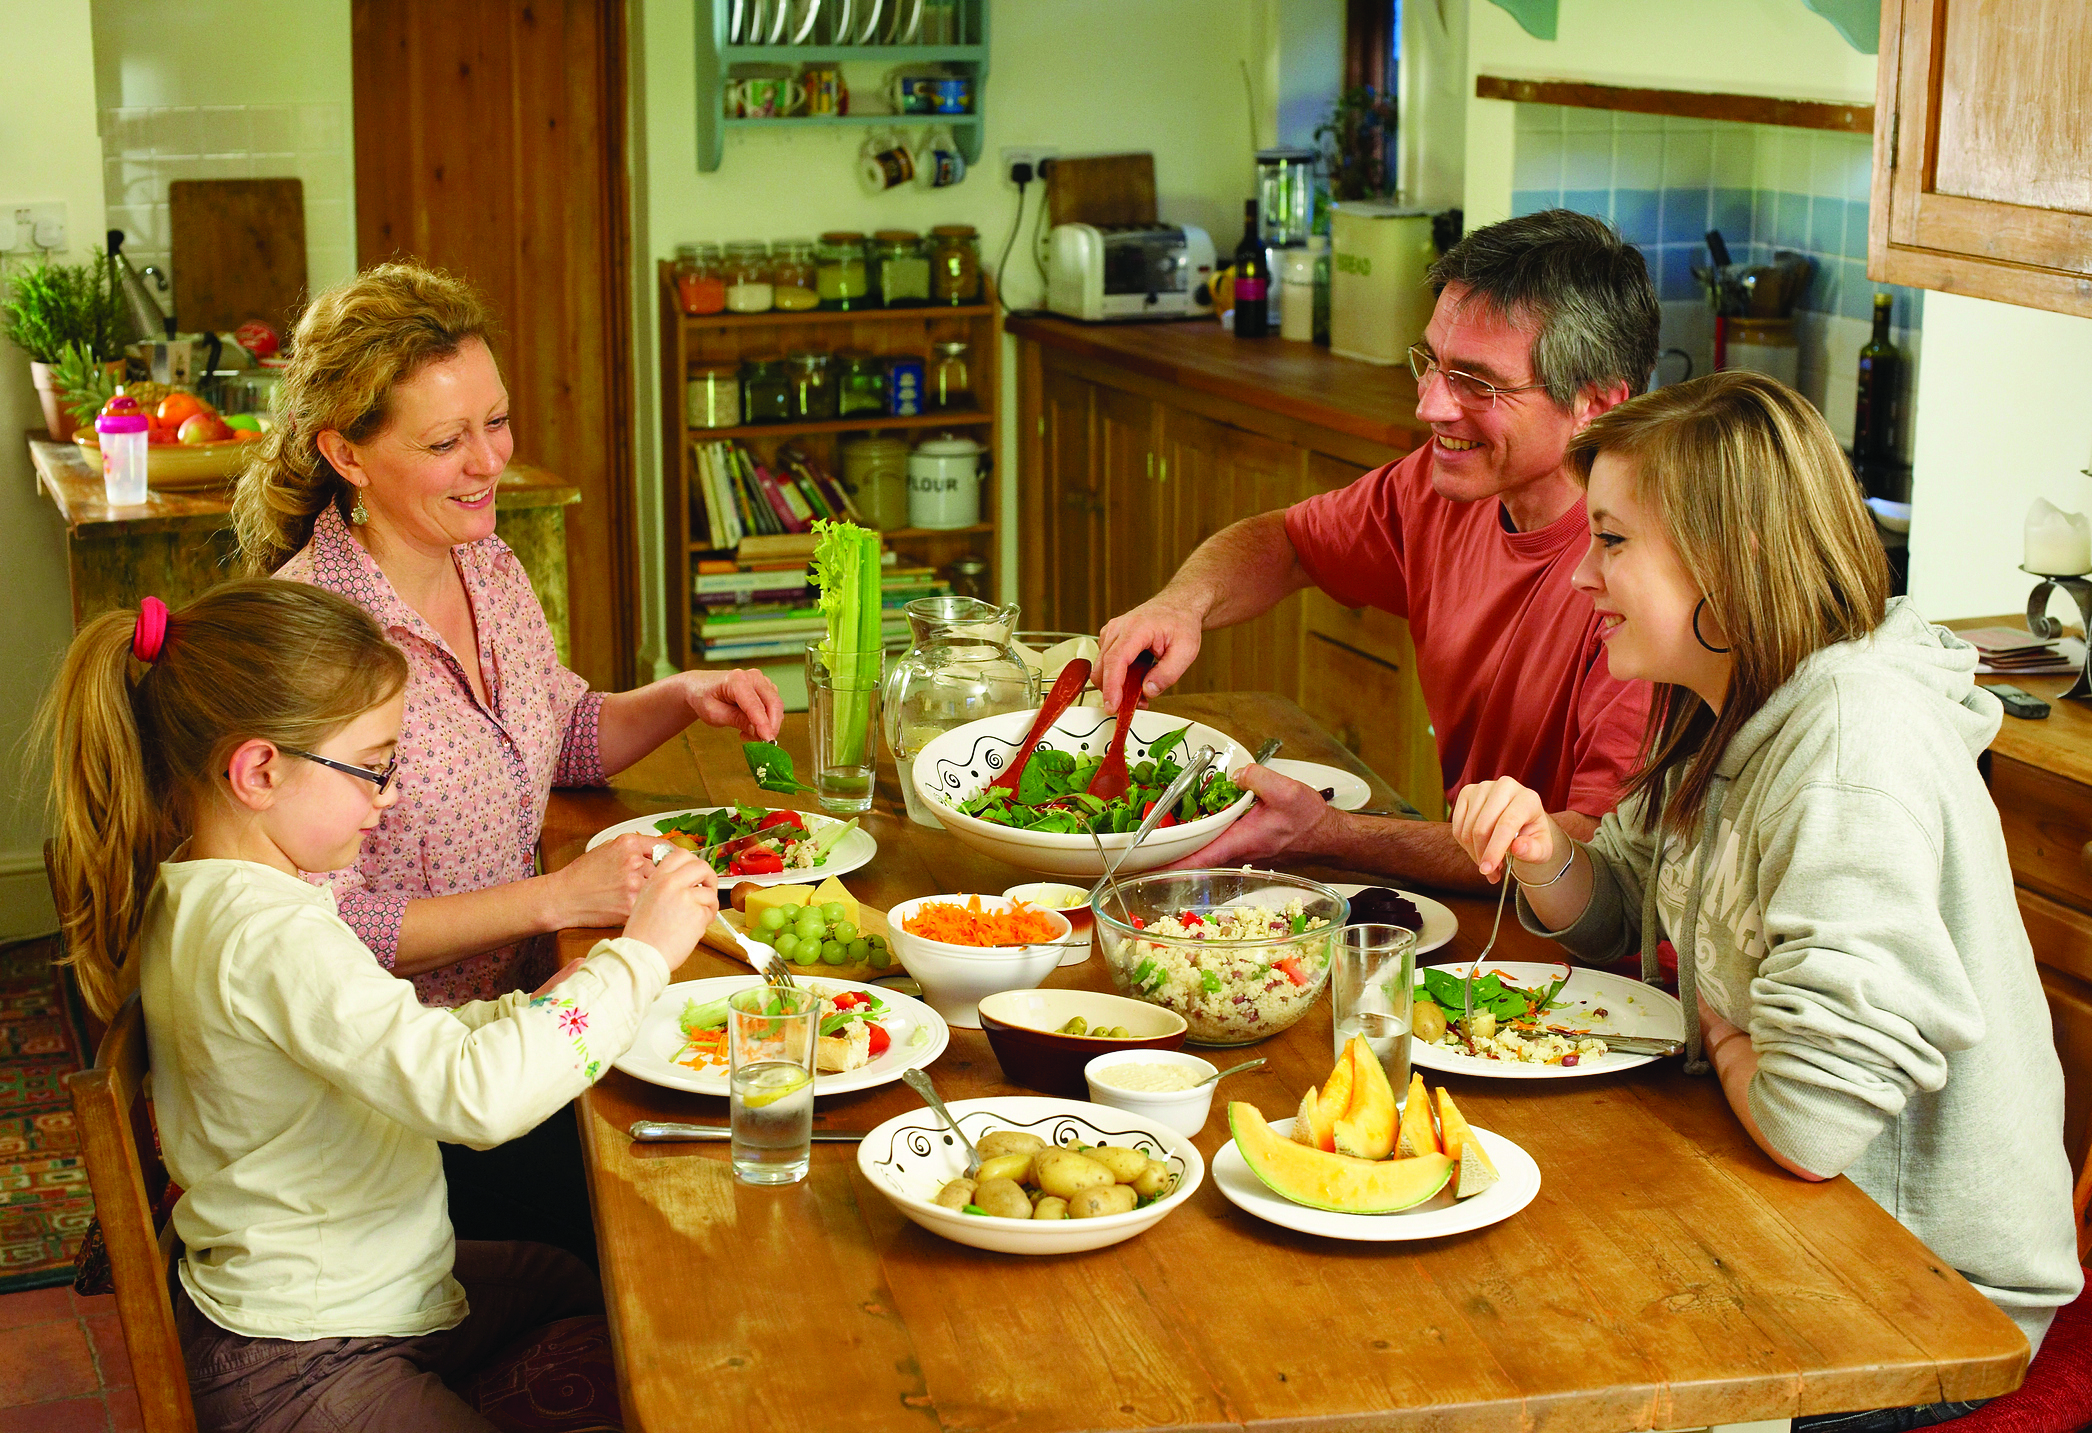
<point>87,1305</point>
<point>112,1358</point>
<point>73,1415</point>
<point>124,1416</point>
<point>46,1361</point>
<point>38,1306</point>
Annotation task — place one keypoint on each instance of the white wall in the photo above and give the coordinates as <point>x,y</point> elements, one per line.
<point>48,151</point>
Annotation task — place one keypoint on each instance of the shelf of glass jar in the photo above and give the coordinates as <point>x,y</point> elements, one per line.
<point>855,423</point>
<point>895,270</point>
<point>711,321</point>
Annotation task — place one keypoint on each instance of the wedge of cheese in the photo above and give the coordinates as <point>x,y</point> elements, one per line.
<point>763,898</point>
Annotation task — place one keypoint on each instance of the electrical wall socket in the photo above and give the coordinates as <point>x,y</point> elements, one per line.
<point>1026,156</point>
<point>32,228</point>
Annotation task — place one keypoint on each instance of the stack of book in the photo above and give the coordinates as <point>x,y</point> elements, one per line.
<point>747,613</point>
<point>735,496</point>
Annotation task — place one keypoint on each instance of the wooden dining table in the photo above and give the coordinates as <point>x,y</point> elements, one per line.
<point>1667,1275</point>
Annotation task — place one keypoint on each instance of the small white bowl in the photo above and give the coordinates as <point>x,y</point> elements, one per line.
<point>954,978</point>
<point>912,1156</point>
<point>1072,902</point>
<point>1184,1111</point>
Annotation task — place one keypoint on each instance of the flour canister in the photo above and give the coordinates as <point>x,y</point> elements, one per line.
<point>944,482</point>
<point>1379,299</point>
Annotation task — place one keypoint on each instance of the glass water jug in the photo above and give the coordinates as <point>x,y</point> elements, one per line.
<point>959,669</point>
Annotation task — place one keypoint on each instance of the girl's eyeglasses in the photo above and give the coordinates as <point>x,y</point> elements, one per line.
<point>380,779</point>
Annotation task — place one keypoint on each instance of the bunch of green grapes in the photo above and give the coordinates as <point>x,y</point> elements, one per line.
<point>806,935</point>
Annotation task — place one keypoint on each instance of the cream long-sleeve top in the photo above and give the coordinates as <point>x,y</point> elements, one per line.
<point>301,1090</point>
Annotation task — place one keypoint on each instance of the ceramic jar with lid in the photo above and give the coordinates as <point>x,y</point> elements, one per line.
<point>792,275</point>
<point>944,482</point>
<point>904,270</point>
<point>840,274</point>
<point>813,388</point>
<point>955,264</point>
<point>875,470</point>
<point>747,269</point>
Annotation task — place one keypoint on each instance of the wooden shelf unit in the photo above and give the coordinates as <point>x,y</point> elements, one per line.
<point>688,341</point>
<point>1685,104</point>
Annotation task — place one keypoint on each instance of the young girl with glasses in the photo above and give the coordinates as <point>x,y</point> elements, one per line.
<point>203,761</point>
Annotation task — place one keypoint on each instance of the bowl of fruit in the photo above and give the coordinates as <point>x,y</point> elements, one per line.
<point>188,444</point>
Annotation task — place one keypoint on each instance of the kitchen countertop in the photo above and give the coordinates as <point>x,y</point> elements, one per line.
<point>1282,376</point>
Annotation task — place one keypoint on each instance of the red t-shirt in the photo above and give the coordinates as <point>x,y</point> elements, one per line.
<point>1507,651</point>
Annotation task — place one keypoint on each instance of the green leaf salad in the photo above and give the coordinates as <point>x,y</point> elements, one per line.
<point>1053,793</point>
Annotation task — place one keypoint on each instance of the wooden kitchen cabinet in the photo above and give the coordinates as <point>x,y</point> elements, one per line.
<point>1983,151</point>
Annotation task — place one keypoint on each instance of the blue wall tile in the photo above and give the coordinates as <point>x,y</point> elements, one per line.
<point>1589,201</point>
<point>1677,283</point>
<point>1732,215</point>
<point>1827,225</point>
<point>1855,228</point>
<point>1684,216</point>
<point>1790,225</point>
<point>1532,201</point>
<point>1821,295</point>
<point>1855,294</point>
<point>1634,214</point>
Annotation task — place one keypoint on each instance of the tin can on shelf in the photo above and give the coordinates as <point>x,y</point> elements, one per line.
<point>714,396</point>
<point>904,385</point>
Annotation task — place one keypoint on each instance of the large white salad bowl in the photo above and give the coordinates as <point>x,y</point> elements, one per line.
<point>958,764</point>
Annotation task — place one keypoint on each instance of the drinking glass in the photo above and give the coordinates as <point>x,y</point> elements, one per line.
<point>1369,993</point>
<point>771,1035</point>
<point>840,701</point>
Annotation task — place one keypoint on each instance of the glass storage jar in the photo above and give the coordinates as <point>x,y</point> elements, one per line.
<point>950,386</point>
<point>955,264</point>
<point>813,388</point>
<point>958,669</point>
<point>860,383</point>
<point>840,276</point>
<point>747,268</point>
<point>792,275</point>
<point>875,472</point>
<point>766,390</point>
<point>904,270</point>
<point>700,283</point>
<point>714,396</point>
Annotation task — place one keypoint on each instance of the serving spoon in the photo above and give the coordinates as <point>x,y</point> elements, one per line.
<point>1066,688</point>
<point>1112,778</point>
<point>1230,1070</point>
<point>920,1083</point>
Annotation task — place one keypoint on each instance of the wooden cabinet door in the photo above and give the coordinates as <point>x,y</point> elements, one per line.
<point>1983,150</point>
<point>1362,701</point>
<point>1068,543</point>
<point>1200,485</point>
<point>1125,465</point>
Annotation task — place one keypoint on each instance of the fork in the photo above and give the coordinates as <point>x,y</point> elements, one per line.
<point>1467,986</point>
<point>776,975</point>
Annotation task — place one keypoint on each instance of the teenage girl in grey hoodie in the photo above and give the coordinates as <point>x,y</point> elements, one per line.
<point>1810,831</point>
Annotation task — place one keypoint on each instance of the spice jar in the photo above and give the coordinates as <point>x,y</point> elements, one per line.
<point>792,275</point>
<point>714,396</point>
<point>875,474</point>
<point>700,284</point>
<point>904,269</point>
<point>840,277</point>
<point>747,269</point>
<point>955,264</point>
<point>951,386</point>
<point>766,390</point>
<point>860,383</point>
<point>813,390</point>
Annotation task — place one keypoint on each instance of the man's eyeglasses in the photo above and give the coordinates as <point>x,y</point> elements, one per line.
<point>380,779</point>
<point>1467,390</point>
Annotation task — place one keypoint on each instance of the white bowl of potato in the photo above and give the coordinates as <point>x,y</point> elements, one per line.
<point>912,1157</point>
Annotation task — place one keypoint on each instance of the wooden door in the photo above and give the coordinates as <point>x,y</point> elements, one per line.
<point>1983,150</point>
<point>490,141</point>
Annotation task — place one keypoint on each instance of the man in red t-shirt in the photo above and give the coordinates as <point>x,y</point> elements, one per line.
<point>1541,324</point>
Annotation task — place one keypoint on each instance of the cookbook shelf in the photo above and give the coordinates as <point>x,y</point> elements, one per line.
<point>690,342</point>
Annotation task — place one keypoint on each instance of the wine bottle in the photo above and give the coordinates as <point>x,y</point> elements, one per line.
<point>1252,279</point>
<point>1873,415</point>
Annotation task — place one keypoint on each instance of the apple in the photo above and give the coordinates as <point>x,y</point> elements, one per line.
<point>201,428</point>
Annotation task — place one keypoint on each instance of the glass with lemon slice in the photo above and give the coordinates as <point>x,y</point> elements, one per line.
<point>771,1037</point>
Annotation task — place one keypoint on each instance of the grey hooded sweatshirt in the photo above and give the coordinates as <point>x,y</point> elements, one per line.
<point>1846,899</point>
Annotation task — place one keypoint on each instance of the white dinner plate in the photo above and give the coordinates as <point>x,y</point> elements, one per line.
<point>1631,1008</point>
<point>854,850</point>
<point>653,1052</point>
<point>1351,790</point>
<point>1440,924</point>
<point>1518,1181</point>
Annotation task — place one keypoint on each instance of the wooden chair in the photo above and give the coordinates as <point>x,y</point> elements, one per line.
<point>127,1177</point>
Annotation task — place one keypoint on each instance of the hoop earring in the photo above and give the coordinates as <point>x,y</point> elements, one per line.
<point>359,515</point>
<point>1718,651</point>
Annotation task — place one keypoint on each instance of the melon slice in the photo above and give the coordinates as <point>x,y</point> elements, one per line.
<point>1417,1137</point>
<point>1367,1129</point>
<point>1308,1128</point>
<point>1335,1100</point>
<point>1476,1172</point>
<point>1332,1181</point>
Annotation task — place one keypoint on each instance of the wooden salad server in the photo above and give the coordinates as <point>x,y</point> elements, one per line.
<point>1112,779</point>
<point>1066,688</point>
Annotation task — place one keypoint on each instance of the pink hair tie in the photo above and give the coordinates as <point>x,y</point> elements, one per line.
<point>151,631</point>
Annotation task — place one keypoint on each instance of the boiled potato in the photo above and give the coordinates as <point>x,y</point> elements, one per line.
<point>955,1195</point>
<point>1483,1026</point>
<point>1002,1198</point>
<point>1050,1208</point>
<point>1005,1141</point>
<point>1095,1203</point>
<point>1125,1164</point>
<point>1064,1173</point>
<point>1005,1166</point>
<point>1427,1022</point>
<point>1154,1181</point>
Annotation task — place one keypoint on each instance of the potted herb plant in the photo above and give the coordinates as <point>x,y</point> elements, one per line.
<point>1360,135</point>
<point>53,307</point>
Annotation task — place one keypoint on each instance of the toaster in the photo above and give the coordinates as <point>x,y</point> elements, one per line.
<point>1103,272</point>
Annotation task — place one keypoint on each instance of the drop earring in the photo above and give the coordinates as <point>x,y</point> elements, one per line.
<point>359,514</point>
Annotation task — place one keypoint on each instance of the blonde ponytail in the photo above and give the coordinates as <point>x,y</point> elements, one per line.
<point>136,748</point>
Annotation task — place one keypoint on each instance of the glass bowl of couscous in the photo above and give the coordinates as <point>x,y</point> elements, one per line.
<point>1240,954</point>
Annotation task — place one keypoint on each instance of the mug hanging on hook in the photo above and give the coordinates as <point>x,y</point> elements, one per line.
<point>887,164</point>
<point>939,165</point>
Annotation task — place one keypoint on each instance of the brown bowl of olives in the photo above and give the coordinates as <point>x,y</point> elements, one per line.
<point>1044,1038</point>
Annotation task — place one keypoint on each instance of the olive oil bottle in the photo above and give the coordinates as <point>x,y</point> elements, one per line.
<point>1874,416</point>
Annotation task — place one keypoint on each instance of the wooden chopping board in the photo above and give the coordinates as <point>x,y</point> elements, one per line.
<point>720,935</point>
<point>238,250</point>
<point>1102,189</point>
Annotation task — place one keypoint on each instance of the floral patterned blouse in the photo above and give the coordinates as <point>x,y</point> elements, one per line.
<point>473,778</point>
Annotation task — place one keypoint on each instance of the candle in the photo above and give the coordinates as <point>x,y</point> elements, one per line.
<point>2059,544</point>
